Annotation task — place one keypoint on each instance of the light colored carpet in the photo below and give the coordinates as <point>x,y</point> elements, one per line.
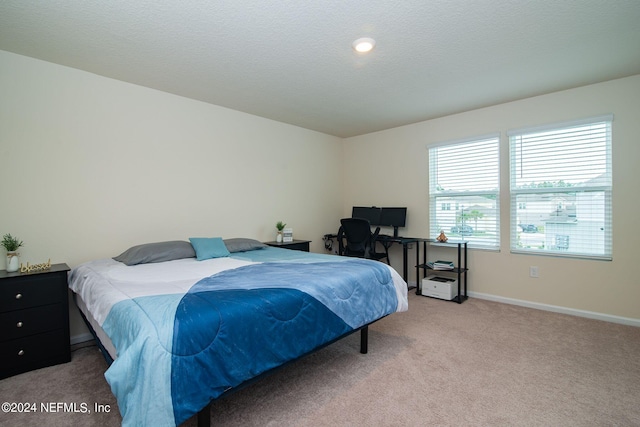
<point>440,364</point>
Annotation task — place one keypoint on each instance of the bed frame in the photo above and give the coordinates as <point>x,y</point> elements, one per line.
<point>204,415</point>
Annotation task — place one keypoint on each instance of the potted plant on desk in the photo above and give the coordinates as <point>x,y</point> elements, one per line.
<point>11,244</point>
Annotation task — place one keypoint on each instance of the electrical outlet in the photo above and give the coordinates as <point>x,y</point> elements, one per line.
<point>533,272</point>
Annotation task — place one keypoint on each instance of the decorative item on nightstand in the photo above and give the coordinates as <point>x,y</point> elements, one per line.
<point>11,244</point>
<point>287,235</point>
<point>280,226</point>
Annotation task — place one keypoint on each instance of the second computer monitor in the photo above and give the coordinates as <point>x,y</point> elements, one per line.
<point>393,217</point>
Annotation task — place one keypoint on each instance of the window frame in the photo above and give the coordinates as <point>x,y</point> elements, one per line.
<point>605,188</point>
<point>453,198</point>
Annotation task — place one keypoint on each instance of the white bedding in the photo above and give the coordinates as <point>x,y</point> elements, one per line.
<point>101,283</point>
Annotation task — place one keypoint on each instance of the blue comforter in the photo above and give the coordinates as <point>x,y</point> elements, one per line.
<point>178,352</point>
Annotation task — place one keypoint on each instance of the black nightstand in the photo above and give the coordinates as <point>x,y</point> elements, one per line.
<point>296,245</point>
<point>34,320</point>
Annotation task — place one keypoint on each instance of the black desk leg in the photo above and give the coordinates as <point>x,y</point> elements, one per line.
<point>418,268</point>
<point>404,263</point>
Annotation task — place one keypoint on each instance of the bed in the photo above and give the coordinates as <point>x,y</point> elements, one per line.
<point>184,323</point>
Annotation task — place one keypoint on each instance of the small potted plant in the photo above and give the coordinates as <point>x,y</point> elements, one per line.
<point>280,226</point>
<point>11,244</point>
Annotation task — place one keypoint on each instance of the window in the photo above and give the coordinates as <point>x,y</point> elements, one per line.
<point>562,175</point>
<point>465,175</point>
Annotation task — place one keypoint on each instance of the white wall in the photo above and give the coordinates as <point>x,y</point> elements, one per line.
<point>401,178</point>
<point>90,166</point>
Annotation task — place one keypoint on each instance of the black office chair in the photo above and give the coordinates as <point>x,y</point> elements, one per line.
<point>360,241</point>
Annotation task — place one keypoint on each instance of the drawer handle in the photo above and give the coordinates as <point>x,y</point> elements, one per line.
<point>19,325</point>
<point>18,296</point>
<point>21,353</point>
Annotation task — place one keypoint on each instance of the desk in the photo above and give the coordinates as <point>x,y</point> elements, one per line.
<point>387,241</point>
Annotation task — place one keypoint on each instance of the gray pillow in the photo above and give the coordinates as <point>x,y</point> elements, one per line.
<point>156,252</point>
<point>243,245</point>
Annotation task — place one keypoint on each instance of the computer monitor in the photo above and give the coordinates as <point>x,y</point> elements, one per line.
<point>372,214</point>
<point>385,217</point>
<point>393,217</point>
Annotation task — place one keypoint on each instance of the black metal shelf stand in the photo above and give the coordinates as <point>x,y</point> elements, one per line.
<point>460,268</point>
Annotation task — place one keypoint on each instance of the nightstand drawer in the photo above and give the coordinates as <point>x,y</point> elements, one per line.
<point>36,351</point>
<point>31,291</point>
<point>30,321</point>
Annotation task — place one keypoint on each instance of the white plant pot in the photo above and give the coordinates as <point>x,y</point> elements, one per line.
<point>13,263</point>
<point>279,237</point>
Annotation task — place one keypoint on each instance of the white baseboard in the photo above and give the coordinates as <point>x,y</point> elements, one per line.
<point>558,309</point>
<point>75,339</point>
<point>555,308</point>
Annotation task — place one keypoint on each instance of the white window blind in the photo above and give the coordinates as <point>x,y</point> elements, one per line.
<point>464,190</point>
<point>561,189</point>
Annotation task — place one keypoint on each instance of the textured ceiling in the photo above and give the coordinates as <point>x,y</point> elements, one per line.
<point>292,61</point>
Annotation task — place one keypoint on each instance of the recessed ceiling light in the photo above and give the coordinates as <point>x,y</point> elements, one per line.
<point>364,44</point>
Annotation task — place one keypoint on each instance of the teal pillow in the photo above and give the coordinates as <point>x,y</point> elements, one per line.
<point>208,247</point>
